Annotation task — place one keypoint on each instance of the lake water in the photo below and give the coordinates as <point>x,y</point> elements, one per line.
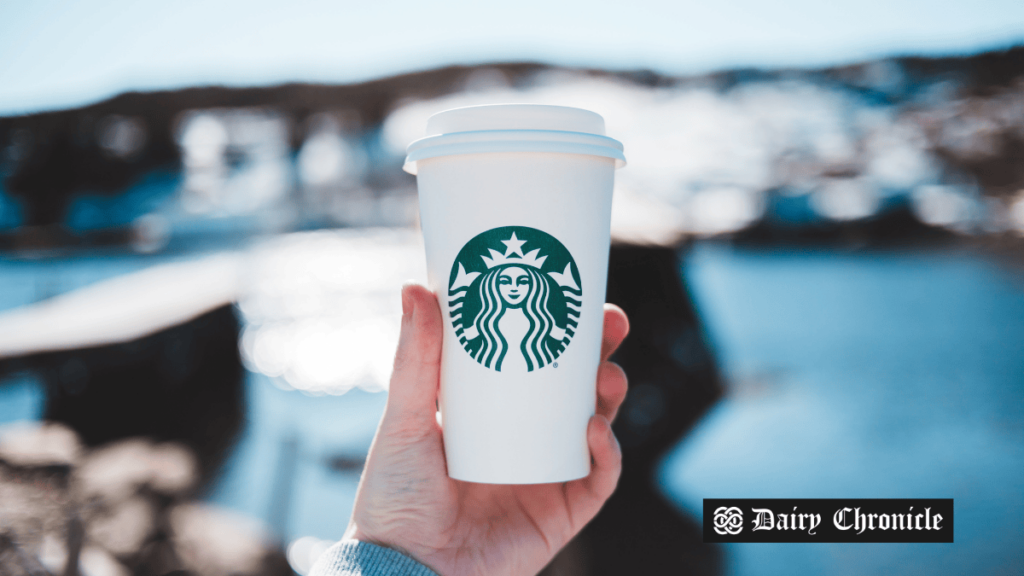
<point>873,375</point>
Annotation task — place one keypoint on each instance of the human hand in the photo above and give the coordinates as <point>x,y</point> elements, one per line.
<point>407,502</point>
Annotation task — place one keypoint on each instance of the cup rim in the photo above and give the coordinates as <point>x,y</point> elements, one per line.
<point>491,141</point>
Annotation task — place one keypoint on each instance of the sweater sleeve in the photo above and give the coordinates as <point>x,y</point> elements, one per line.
<point>354,558</point>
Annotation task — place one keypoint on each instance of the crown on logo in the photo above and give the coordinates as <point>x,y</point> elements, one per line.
<point>514,246</point>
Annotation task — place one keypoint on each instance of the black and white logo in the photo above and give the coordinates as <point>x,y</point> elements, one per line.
<point>728,520</point>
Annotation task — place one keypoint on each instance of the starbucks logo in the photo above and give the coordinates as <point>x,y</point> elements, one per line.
<point>514,297</point>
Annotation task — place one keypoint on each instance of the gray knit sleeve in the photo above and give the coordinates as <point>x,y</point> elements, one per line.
<point>354,558</point>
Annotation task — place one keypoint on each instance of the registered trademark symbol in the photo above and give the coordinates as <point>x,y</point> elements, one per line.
<point>555,364</point>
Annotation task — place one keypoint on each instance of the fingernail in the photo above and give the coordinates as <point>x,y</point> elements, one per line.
<point>407,302</point>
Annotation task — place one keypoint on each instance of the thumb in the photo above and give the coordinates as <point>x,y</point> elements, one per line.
<point>417,371</point>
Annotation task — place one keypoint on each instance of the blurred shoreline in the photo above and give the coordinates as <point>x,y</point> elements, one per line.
<point>863,154</point>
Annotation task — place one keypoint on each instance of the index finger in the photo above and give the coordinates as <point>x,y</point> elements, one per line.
<point>616,326</point>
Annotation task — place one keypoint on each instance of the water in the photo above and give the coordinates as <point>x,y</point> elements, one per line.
<point>22,397</point>
<point>27,281</point>
<point>863,375</point>
<point>309,430</point>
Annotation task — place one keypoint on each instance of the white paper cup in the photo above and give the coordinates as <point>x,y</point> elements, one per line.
<point>515,205</point>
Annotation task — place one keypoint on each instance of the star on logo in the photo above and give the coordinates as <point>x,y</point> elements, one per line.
<point>514,255</point>
<point>513,246</point>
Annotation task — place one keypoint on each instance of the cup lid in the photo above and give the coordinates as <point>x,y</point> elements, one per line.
<point>515,117</point>
<point>514,128</point>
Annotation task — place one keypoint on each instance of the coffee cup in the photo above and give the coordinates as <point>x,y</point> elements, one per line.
<point>515,208</point>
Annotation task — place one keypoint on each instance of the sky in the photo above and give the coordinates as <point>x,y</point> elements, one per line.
<point>62,54</point>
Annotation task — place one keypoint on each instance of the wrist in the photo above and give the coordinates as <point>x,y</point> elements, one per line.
<point>355,533</point>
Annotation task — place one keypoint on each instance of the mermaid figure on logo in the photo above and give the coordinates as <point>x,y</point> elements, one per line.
<point>525,317</point>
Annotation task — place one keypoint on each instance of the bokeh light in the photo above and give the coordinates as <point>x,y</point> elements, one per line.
<point>323,308</point>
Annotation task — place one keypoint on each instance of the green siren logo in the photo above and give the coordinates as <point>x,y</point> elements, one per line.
<point>514,297</point>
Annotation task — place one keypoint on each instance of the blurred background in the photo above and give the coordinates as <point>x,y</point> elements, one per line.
<point>204,225</point>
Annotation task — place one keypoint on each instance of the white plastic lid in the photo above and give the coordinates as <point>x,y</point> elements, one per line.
<point>515,117</point>
<point>514,128</point>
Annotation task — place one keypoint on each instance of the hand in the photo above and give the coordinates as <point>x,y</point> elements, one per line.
<point>407,502</point>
